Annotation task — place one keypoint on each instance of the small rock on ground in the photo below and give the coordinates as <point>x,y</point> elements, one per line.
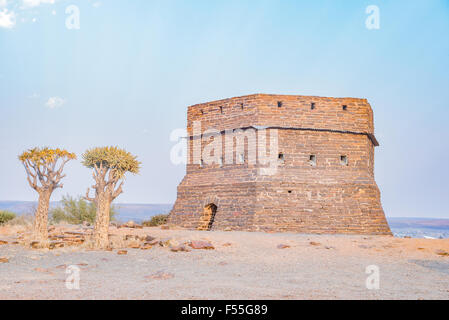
<point>198,244</point>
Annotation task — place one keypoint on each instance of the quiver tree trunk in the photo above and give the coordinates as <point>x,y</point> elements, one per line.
<point>41,216</point>
<point>105,193</point>
<point>101,229</point>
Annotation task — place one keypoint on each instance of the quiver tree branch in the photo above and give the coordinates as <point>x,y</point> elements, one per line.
<point>87,196</point>
<point>118,191</point>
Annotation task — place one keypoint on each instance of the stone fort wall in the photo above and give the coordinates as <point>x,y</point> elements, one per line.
<point>334,193</point>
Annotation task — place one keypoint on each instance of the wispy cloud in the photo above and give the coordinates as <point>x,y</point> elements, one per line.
<point>8,9</point>
<point>7,19</point>
<point>55,102</point>
<point>35,3</point>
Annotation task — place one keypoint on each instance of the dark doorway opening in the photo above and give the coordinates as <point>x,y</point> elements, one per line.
<point>207,218</point>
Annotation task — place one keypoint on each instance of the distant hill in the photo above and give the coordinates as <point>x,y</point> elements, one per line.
<point>418,222</point>
<point>139,212</point>
<point>19,207</point>
<point>419,227</point>
<point>136,212</point>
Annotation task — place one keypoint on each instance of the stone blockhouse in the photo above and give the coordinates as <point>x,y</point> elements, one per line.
<point>322,152</point>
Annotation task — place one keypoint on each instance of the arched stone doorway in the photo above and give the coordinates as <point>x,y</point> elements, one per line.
<point>207,217</point>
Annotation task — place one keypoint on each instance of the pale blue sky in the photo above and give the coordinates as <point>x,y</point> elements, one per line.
<point>127,75</point>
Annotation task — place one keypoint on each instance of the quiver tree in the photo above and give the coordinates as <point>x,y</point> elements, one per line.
<point>44,167</point>
<point>109,164</point>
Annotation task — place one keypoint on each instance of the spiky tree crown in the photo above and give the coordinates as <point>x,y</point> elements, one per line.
<point>113,158</point>
<point>41,156</point>
<point>41,167</point>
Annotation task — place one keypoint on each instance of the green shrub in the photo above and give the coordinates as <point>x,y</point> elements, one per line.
<point>76,211</point>
<point>155,221</point>
<point>6,216</point>
<point>22,220</point>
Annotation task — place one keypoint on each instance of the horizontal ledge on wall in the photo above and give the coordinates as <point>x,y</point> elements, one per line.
<point>369,135</point>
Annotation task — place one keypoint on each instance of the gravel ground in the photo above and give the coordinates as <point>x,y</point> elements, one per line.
<point>243,265</point>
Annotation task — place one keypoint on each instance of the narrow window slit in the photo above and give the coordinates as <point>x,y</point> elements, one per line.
<point>312,160</point>
<point>281,157</point>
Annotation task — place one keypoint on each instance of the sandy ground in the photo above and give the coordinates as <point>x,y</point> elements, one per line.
<point>243,265</point>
